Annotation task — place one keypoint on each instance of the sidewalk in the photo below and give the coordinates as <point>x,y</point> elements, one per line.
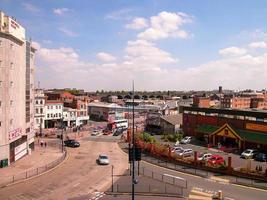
<point>30,165</point>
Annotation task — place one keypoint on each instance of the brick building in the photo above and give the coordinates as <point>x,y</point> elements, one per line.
<point>232,128</point>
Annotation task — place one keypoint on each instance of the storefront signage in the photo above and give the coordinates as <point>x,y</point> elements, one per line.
<point>256,127</point>
<point>15,133</point>
<point>226,133</point>
<point>20,148</point>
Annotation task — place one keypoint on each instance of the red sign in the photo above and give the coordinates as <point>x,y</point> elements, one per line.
<point>15,133</point>
<point>14,24</point>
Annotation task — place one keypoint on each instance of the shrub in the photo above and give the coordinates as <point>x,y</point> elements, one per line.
<point>146,137</point>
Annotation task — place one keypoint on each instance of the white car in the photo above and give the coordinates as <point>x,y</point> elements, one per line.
<point>95,133</point>
<point>249,153</point>
<point>103,159</point>
<point>177,149</point>
<point>186,140</point>
<point>185,153</point>
<point>204,156</point>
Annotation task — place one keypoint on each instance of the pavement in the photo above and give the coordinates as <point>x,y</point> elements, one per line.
<point>40,157</point>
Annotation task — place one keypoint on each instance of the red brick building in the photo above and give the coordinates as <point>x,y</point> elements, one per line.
<point>231,128</point>
<point>202,102</point>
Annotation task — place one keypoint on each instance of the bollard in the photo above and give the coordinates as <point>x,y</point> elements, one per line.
<point>220,194</point>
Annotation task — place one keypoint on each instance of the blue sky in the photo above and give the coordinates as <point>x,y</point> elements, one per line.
<point>158,43</point>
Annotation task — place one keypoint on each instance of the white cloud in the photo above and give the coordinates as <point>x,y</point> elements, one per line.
<point>256,45</point>
<point>60,11</point>
<point>137,23</point>
<point>166,24</point>
<point>67,32</point>
<point>30,7</point>
<point>232,51</point>
<point>120,14</point>
<point>105,57</point>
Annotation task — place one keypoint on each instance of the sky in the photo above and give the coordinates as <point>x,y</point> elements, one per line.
<point>160,44</point>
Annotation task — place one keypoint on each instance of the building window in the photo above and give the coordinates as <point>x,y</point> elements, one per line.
<point>36,102</point>
<point>48,115</point>
<point>41,110</point>
<point>51,107</point>
<point>41,102</point>
<point>56,115</point>
<point>37,121</point>
<point>59,114</point>
<point>11,83</point>
<point>11,102</point>
<point>0,123</point>
<point>11,65</point>
<point>36,110</point>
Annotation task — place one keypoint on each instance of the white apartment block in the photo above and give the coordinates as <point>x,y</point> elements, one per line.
<point>53,113</point>
<point>16,91</point>
<point>39,110</point>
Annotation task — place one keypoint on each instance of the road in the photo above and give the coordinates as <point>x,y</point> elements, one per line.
<point>79,177</point>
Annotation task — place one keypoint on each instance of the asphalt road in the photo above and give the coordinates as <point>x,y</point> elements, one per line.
<point>79,177</point>
<point>212,185</point>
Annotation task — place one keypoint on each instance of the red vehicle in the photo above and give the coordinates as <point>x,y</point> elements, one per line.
<point>106,132</point>
<point>216,160</point>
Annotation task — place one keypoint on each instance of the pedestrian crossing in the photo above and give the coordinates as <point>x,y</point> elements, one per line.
<point>97,196</point>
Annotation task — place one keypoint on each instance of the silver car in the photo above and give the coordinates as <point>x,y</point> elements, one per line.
<point>103,159</point>
<point>185,153</point>
<point>204,156</point>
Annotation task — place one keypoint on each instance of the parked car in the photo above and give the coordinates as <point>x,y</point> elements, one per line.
<point>216,160</point>
<point>186,140</point>
<point>185,152</point>
<point>71,143</point>
<point>249,153</point>
<point>95,133</point>
<point>177,149</point>
<point>204,156</point>
<point>118,131</point>
<point>103,159</point>
<point>262,156</point>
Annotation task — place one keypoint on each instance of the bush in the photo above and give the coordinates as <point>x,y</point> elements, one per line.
<point>146,137</point>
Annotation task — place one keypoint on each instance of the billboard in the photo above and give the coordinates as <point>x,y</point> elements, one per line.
<point>15,29</point>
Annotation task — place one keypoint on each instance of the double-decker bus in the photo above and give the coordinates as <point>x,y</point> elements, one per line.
<point>118,124</point>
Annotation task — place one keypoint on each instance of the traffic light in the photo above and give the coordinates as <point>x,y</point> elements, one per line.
<point>137,154</point>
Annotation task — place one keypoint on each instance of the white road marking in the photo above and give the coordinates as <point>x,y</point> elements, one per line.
<point>76,184</point>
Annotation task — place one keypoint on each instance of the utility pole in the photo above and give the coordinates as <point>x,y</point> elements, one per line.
<point>133,147</point>
<point>62,129</point>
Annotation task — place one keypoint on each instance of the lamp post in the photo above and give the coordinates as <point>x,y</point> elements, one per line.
<point>133,146</point>
<point>62,129</point>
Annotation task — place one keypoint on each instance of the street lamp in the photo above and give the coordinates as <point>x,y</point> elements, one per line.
<point>62,129</point>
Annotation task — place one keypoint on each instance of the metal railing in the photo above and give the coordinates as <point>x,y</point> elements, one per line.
<point>33,172</point>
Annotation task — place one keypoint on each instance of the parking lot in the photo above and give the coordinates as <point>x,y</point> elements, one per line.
<point>237,162</point>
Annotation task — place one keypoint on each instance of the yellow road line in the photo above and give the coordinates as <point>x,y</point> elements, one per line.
<point>201,193</point>
<point>197,197</point>
<point>215,178</point>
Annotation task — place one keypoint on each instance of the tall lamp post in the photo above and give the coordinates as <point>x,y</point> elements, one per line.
<point>62,129</point>
<point>133,147</point>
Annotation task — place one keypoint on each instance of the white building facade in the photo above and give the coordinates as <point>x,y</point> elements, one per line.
<point>39,110</point>
<point>16,92</point>
<point>53,113</point>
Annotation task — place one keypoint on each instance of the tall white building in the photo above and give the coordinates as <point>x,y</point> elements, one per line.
<point>16,91</point>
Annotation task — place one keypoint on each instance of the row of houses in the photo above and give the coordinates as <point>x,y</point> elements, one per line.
<point>51,108</point>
